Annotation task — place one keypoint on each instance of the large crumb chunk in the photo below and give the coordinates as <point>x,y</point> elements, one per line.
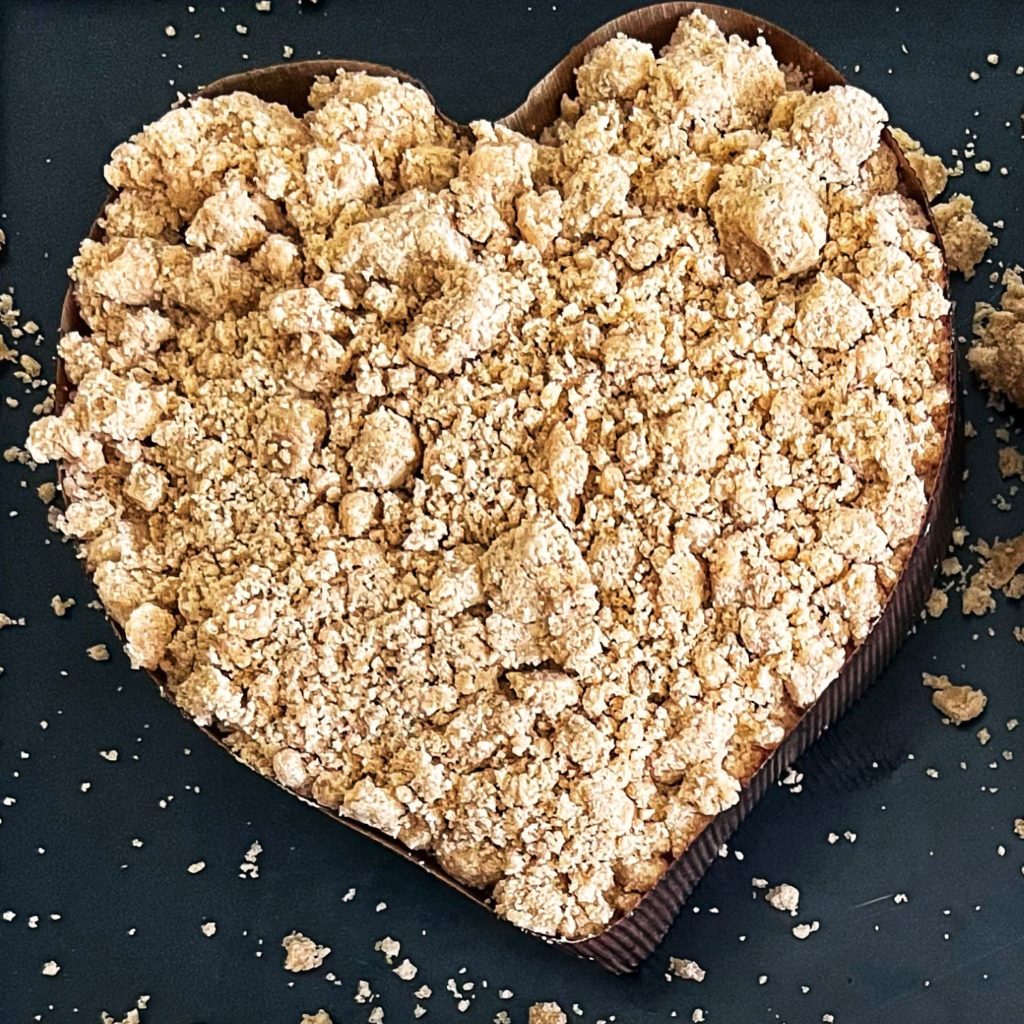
<point>930,170</point>
<point>997,355</point>
<point>302,953</point>
<point>688,970</point>
<point>958,703</point>
<point>385,451</point>
<point>965,236</point>
<point>547,1013</point>
<point>784,897</point>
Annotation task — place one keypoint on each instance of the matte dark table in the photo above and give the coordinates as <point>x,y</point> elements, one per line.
<point>77,77</point>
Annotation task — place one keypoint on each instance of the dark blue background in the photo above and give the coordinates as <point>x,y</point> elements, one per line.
<point>78,76</point>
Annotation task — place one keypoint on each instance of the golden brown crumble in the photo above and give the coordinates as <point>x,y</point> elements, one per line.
<point>959,704</point>
<point>514,497</point>
<point>930,170</point>
<point>784,897</point>
<point>1000,569</point>
<point>997,355</point>
<point>547,1013</point>
<point>301,953</point>
<point>966,238</point>
<point>688,970</point>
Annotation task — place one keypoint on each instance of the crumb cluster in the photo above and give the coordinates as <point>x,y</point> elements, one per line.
<point>959,704</point>
<point>997,355</point>
<point>301,953</point>
<point>512,496</point>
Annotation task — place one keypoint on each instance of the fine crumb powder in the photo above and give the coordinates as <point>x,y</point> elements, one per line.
<point>302,953</point>
<point>997,354</point>
<point>965,237</point>
<point>688,970</point>
<point>565,471</point>
<point>547,1013</point>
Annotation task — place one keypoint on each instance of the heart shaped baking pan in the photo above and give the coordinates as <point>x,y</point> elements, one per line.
<point>628,940</point>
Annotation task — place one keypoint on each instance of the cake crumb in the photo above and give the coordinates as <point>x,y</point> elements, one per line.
<point>805,929</point>
<point>249,868</point>
<point>51,968</point>
<point>938,602</point>
<point>688,970</point>
<point>60,607</point>
<point>98,652</point>
<point>930,170</point>
<point>959,704</point>
<point>406,970</point>
<point>320,1017</point>
<point>389,947</point>
<point>547,1013</point>
<point>208,928</point>
<point>997,352</point>
<point>1000,569</point>
<point>1011,462</point>
<point>965,237</point>
<point>302,953</point>
<point>784,897</point>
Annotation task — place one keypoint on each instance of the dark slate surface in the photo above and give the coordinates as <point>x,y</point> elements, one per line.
<point>76,77</point>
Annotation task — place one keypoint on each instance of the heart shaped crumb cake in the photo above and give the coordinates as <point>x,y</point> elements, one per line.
<point>511,496</point>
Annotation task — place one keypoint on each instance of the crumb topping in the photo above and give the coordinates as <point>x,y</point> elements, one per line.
<point>511,496</point>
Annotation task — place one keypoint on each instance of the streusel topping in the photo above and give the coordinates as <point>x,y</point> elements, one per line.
<point>512,496</point>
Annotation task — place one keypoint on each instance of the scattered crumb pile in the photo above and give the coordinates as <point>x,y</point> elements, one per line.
<point>1000,569</point>
<point>997,355</point>
<point>301,953</point>
<point>958,703</point>
<point>510,496</point>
